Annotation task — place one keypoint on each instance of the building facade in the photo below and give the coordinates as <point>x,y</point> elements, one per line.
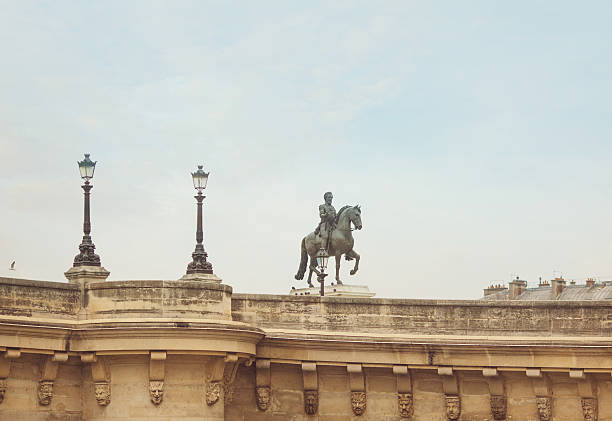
<point>185,350</point>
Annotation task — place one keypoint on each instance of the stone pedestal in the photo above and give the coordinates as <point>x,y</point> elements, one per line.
<point>344,290</point>
<point>201,277</point>
<point>81,274</point>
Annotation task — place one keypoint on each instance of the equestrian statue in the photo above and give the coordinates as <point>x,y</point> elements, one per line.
<point>333,234</point>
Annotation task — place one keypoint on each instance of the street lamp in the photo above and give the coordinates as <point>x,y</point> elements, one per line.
<point>199,263</point>
<point>322,258</point>
<point>86,257</point>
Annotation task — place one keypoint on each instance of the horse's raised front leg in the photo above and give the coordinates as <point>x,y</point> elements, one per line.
<point>355,256</point>
<point>337,259</point>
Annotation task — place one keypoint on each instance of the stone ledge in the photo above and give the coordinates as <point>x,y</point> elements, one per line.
<point>38,284</point>
<point>417,302</point>
<point>134,284</point>
<point>129,334</point>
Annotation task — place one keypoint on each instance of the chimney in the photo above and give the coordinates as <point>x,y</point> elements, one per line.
<point>590,282</point>
<point>517,287</point>
<point>558,285</point>
<point>494,289</point>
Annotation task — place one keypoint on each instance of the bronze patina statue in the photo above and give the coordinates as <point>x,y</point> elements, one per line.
<point>334,234</point>
<point>327,213</point>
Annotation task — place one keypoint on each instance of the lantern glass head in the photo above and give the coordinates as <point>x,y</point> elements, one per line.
<point>200,178</point>
<point>322,258</point>
<point>87,167</point>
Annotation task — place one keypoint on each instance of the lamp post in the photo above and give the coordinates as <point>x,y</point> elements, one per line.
<point>86,257</point>
<point>199,263</point>
<point>322,258</point>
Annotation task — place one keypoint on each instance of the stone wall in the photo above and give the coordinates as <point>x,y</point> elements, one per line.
<point>21,399</point>
<point>157,299</point>
<point>21,297</point>
<point>429,398</point>
<point>452,317</point>
<point>187,351</point>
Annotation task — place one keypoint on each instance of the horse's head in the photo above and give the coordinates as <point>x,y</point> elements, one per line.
<point>354,215</point>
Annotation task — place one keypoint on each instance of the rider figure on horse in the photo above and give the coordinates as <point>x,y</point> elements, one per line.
<point>328,220</point>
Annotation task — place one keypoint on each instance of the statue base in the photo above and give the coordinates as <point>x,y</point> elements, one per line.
<point>344,290</point>
<point>201,277</point>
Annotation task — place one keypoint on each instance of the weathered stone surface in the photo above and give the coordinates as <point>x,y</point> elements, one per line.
<point>424,316</point>
<point>21,297</point>
<point>124,323</point>
<point>158,299</point>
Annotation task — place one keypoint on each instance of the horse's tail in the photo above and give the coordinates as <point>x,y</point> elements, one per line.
<point>303,261</point>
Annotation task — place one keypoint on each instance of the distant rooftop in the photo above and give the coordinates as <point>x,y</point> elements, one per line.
<point>556,289</point>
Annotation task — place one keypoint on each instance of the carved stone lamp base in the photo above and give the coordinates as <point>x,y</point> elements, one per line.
<point>81,274</point>
<point>201,277</point>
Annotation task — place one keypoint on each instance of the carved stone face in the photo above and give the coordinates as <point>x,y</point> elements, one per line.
<point>589,409</point>
<point>544,409</point>
<point>311,401</point>
<point>406,408</point>
<point>453,407</point>
<point>213,392</point>
<point>45,392</point>
<point>358,402</point>
<point>156,390</point>
<point>2,389</point>
<point>262,396</point>
<point>498,407</point>
<point>102,390</point>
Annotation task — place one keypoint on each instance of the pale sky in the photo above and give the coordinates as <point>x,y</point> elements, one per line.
<point>476,136</point>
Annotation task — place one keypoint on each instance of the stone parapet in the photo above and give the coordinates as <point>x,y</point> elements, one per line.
<point>187,350</point>
<point>158,299</point>
<point>438,317</point>
<point>23,297</point>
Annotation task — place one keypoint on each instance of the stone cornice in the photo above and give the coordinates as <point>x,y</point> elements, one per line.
<point>367,302</point>
<point>470,353</point>
<point>128,335</point>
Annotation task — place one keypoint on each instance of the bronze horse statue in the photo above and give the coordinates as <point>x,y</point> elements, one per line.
<point>341,242</point>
